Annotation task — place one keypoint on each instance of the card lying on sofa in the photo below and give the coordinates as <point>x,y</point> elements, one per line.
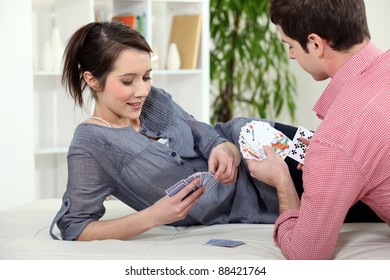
<point>224,242</point>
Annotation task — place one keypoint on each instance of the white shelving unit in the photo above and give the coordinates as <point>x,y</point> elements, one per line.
<point>55,116</point>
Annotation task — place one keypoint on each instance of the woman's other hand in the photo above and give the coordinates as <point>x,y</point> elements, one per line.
<point>223,162</point>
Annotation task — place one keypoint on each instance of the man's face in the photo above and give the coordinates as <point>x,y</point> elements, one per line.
<point>308,60</point>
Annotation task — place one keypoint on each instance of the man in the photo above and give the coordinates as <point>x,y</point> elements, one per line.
<point>348,158</point>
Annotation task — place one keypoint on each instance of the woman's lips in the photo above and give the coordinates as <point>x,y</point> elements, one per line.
<point>135,105</point>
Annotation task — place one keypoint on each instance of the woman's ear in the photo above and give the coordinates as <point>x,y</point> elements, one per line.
<point>91,81</point>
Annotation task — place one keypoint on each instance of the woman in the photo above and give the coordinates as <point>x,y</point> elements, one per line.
<point>138,143</point>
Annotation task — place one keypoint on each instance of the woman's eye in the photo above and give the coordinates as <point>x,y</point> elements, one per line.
<point>147,78</point>
<point>127,83</point>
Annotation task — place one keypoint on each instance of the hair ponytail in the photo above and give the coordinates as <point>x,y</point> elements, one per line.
<point>72,77</point>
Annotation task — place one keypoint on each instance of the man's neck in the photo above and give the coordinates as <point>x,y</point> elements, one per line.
<point>337,59</point>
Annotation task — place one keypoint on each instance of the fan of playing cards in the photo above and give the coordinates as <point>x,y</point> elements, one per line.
<point>255,134</point>
<point>206,179</point>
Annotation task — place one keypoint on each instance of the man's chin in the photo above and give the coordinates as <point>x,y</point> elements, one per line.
<point>320,78</point>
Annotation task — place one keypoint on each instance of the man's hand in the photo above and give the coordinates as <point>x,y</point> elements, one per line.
<point>271,170</point>
<point>274,171</point>
<point>306,142</point>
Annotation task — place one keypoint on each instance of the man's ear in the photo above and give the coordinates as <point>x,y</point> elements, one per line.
<point>91,81</point>
<point>315,44</point>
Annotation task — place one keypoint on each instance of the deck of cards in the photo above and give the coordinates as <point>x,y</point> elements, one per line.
<point>255,134</point>
<point>206,179</point>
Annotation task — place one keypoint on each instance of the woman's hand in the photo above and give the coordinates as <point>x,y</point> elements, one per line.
<point>165,211</point>
<point>171,209</point>
<point>223,162</point>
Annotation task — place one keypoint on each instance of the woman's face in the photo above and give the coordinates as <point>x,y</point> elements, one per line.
<point>127,86</point>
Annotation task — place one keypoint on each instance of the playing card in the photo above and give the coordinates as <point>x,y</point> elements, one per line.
<point>264,132</point>
<point>176,187</point>
<point>255,134</point>
<point>206,179</point>
<point>249,152</point>
<point>209,181</point>
<point>281,144</point>
<point>224,242</point>
<point>298,149</point>
<point>252,138</point>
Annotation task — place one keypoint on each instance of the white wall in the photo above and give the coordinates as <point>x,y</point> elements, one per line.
<point>309,90</point>
<point>16,113</point>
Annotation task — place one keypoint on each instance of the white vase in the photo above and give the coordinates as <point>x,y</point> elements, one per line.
<point>47,57</point>
<point>173,58</point>
<point>57,48</point>
<point>155,58</point>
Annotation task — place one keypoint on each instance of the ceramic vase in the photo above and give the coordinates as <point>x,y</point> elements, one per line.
<point>155,58</point>
<point>47,57</point>
<point>173,58</point>
<point>57,48</point>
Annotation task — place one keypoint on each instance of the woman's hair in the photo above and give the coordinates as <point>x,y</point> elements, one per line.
<point>94,48</point>
<point>343,23</point>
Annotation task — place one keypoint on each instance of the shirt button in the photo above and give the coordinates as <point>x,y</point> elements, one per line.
<point>144,130</point>
<point>66,203</point>
<point>182,162</point>
<point>171,139</point>
<point>195,170</point>
<point>173,154</point>
<point>158,133</point>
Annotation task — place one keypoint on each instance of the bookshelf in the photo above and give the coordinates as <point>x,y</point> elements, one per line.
<point>54,115</point>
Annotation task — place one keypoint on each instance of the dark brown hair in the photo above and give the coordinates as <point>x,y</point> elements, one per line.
<point>94,48</point>
<point>343,23</point>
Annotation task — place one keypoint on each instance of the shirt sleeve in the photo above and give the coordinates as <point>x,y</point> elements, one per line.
<point>88,186</point>
<point>332,184</point>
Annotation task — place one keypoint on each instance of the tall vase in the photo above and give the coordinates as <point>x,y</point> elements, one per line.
<point>173,58</point>
<point>155,58</point>
<point>57,48</point>
<point>47,57</point>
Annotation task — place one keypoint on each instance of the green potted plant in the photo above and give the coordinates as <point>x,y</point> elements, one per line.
<point>248,62</point>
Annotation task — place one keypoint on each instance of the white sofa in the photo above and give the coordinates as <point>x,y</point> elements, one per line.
<point>24,235</point>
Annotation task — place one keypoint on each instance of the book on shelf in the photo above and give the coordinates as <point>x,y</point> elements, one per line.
<point>185,33</point>
<point>130,20</point>
<point>137,22</point>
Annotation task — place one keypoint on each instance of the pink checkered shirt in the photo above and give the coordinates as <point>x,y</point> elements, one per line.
<point>348,158</point>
